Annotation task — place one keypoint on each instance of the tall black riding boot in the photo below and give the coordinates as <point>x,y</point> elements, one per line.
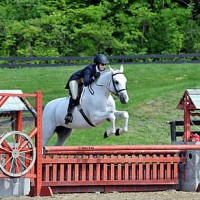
<point>69,117</point>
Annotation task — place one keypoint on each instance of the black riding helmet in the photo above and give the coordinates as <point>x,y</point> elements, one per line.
<point>100,58</point>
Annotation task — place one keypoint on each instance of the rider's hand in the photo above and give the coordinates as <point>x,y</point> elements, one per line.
<point>97,74</point>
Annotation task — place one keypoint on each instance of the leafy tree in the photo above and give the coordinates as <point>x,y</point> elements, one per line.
<point>113,27</point>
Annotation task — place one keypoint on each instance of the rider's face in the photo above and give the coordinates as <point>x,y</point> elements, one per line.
<point>102,66</point>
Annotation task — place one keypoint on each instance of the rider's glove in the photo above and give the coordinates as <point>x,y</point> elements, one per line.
<point>97,74</point>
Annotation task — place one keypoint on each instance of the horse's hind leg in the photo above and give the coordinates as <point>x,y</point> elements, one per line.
<point>63,133</point>
<point>47,133</point>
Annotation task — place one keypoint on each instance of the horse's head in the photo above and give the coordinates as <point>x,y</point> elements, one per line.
<point>119,84</point>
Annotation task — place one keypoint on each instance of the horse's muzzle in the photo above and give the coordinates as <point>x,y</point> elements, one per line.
<point>124,98</point>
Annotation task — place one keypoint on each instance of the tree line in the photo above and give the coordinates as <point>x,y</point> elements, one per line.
<point>113,27</point>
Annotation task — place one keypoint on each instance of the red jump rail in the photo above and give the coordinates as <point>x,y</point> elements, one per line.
<point>112,168</point>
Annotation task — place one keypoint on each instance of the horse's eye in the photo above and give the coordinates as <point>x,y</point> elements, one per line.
<point>116,82</point>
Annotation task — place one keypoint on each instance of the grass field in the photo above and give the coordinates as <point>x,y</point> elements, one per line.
<point>154,92</point>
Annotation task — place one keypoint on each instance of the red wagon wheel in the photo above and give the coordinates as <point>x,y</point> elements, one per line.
<point>17,153</point>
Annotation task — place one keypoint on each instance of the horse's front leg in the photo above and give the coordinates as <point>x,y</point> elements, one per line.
<point>109,117</point>
<point>125,115</point>
<point>112,129</point>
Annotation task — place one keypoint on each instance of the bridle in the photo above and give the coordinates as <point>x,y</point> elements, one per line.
<point>117,91</point>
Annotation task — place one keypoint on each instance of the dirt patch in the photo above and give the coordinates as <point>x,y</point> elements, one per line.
<point>166,195</point>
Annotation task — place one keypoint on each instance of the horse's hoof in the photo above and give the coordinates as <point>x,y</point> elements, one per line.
<point>117,132</point>
<point>105,135</point>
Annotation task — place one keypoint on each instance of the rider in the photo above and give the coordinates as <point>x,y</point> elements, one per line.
<point>83,77</point>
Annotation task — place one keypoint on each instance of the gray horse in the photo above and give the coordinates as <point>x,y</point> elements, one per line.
<point>96,106</point>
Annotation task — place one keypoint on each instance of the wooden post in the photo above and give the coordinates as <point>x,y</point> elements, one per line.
<point>186,119</point>
<point>38,141</point>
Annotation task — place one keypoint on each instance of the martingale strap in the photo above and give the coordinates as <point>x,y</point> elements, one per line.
<point>84,116</point>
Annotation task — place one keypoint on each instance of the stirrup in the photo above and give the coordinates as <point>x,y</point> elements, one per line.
<point>68,118</point>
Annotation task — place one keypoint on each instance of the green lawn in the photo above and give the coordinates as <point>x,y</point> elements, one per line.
<point>154,92</point>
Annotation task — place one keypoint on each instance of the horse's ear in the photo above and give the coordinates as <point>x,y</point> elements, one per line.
<point>122,68</point>
<point>111,69</point>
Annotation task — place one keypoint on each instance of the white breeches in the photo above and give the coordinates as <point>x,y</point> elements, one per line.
<point>73,85</point>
